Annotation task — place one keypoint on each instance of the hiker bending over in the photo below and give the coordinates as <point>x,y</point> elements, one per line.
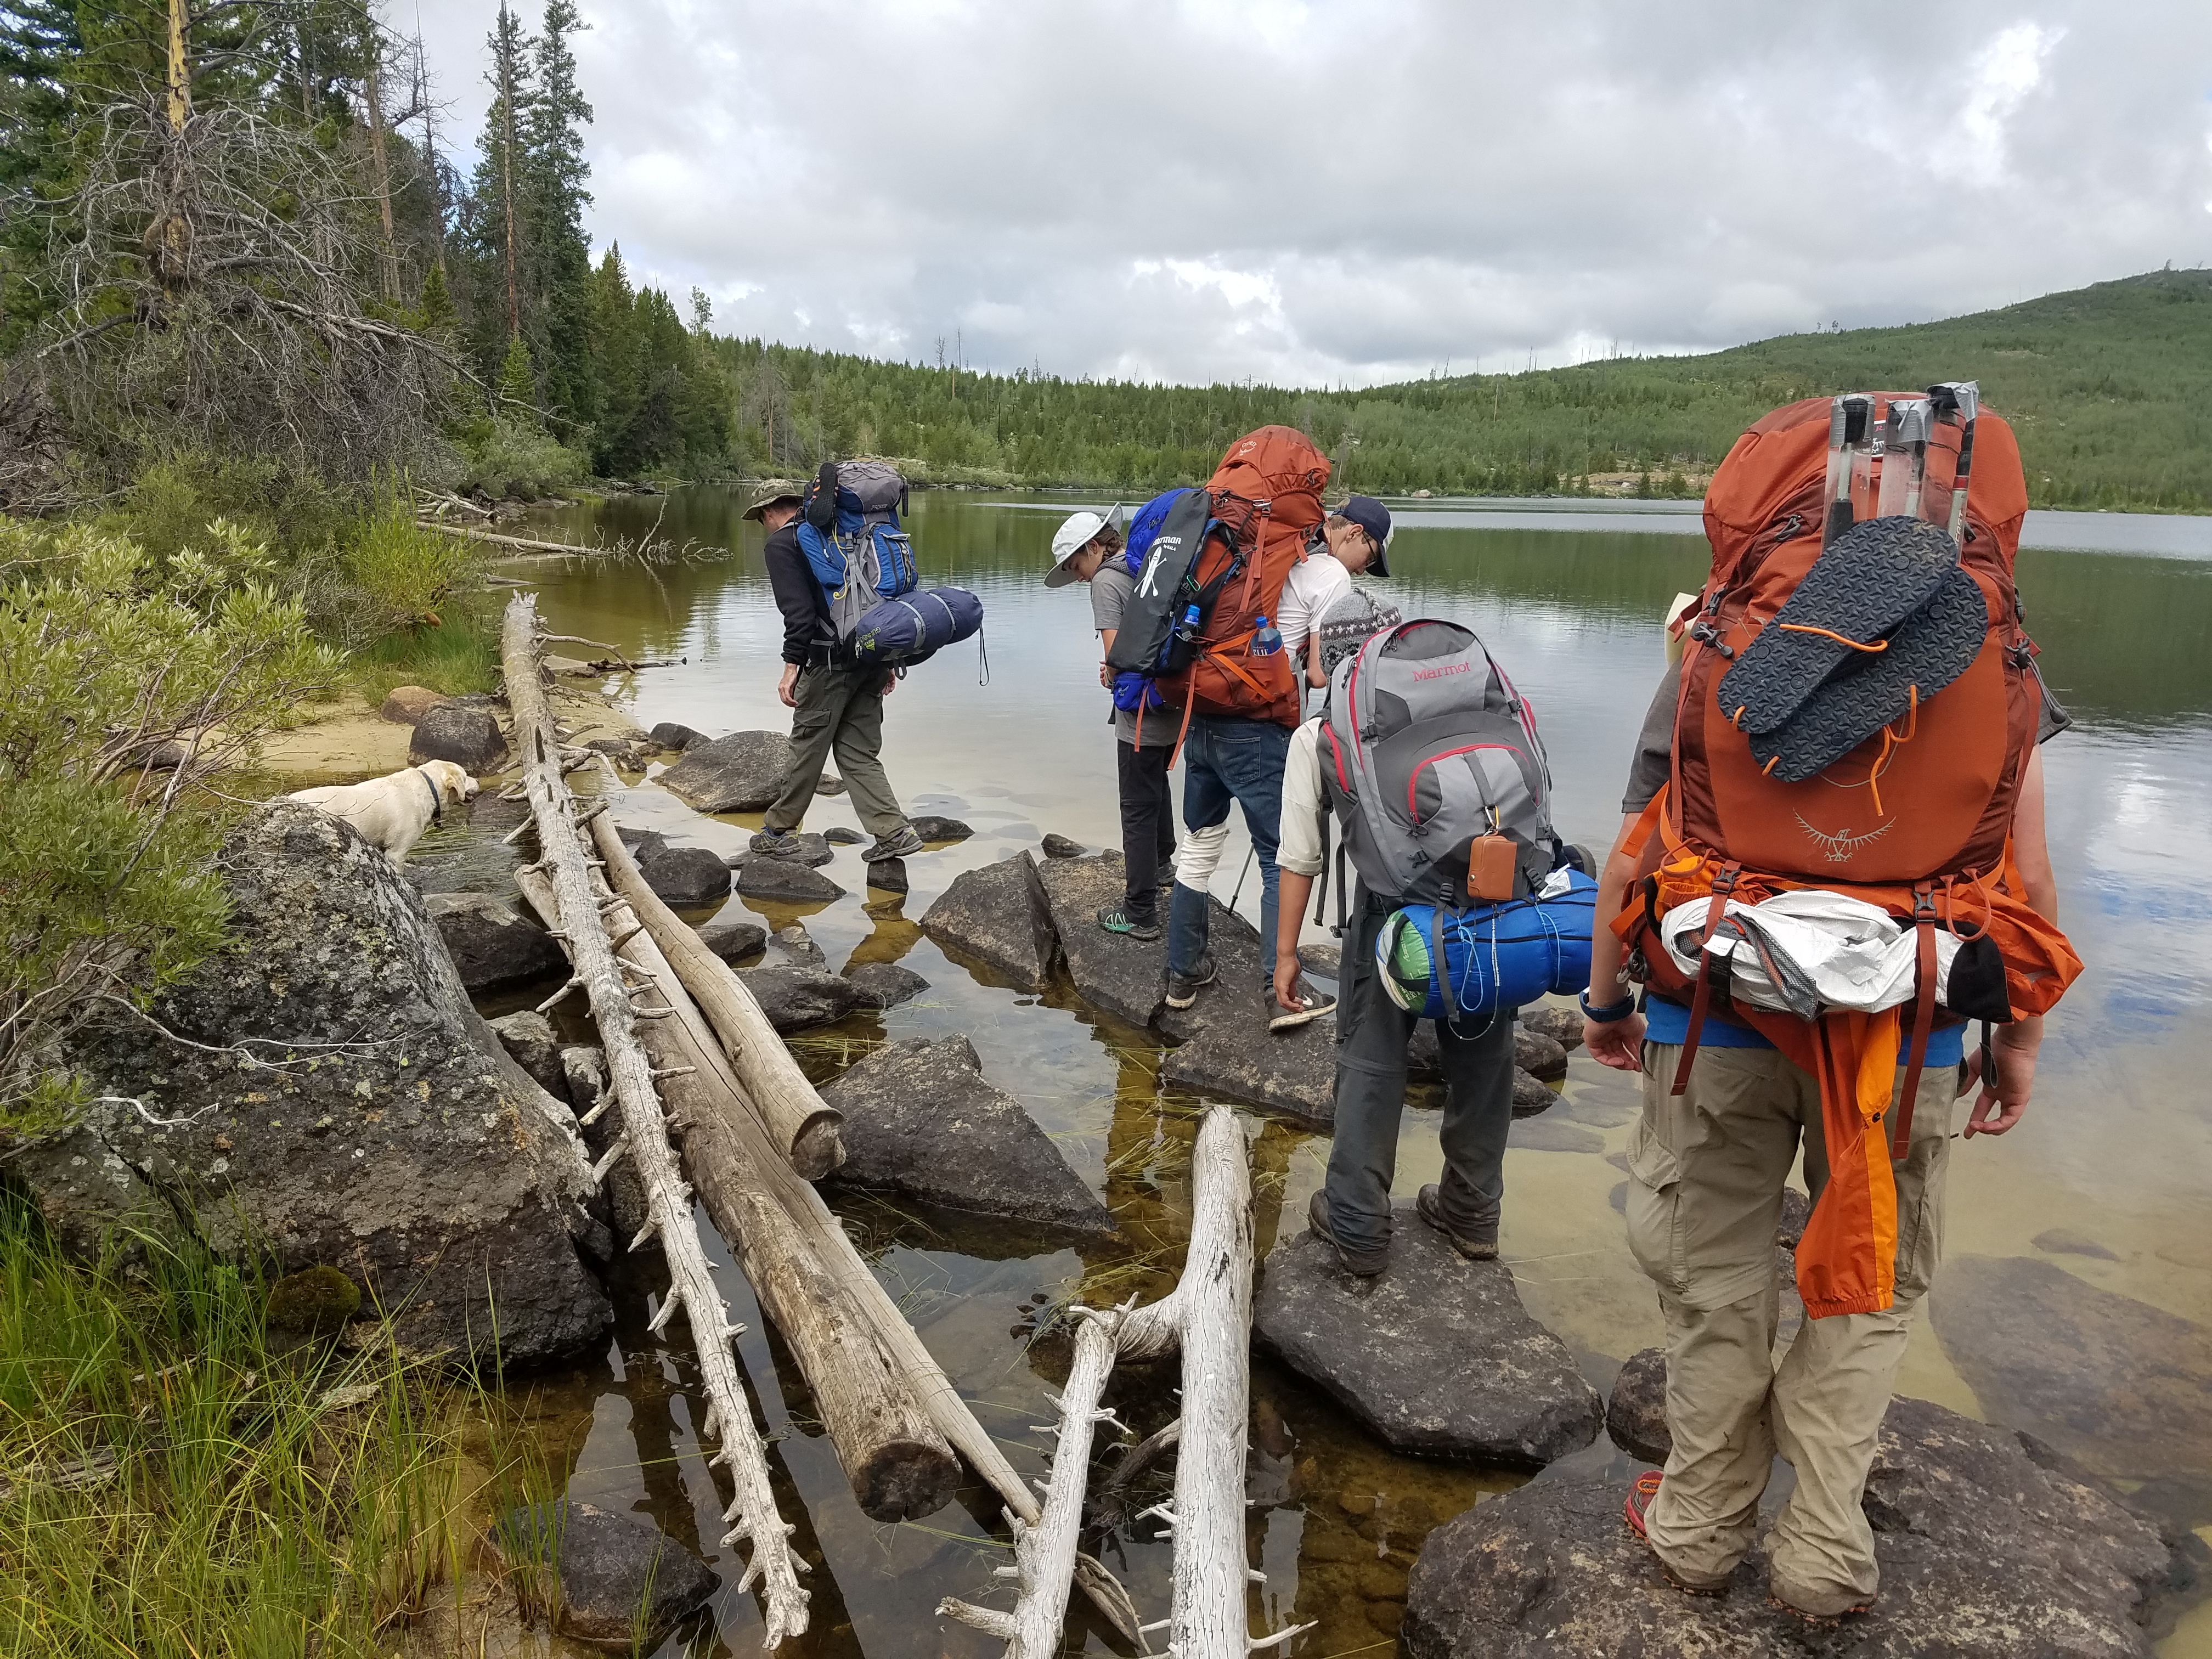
<point>1087,548</point>
<point>1351,540</point>
<point>835,708</point>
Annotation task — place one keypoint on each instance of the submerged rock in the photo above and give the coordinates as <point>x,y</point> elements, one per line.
<point>620,1576</point>
<point>814,851</point>
<point>1530,1094</point>
<point>2064,1241</point>
<point>931,827</point>
<point>411,1154</point>
<point>886,984</point>
<point>1541,1056</point>
<point>792,883</point>
<point>1983,1555</point>
<point>1235,1057</point>
<point>997,916</point>
<point>672,734</point>
<point>741,773</point>
<point>799,947</point>
<point>2124,1387</point>
<point>795,999</point>
<point>921,1120</point>
<point>491,942</point>
<point>686,877</point>
<point>1435,1354</point>
<point>469,737</point>
<point>733,941</point>
<point>1060,847</point>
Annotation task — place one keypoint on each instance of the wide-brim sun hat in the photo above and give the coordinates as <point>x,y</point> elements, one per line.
<point>768,498</point>
<point>1076,532</point>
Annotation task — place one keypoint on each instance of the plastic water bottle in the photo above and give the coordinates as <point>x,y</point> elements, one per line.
<point>1267,639</point>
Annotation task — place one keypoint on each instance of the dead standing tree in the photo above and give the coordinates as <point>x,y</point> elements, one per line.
<point>210,272</point>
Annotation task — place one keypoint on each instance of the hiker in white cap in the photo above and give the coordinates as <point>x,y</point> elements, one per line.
<point>1087,548</point>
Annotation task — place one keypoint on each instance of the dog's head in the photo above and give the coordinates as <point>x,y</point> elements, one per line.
<point>453,779</point>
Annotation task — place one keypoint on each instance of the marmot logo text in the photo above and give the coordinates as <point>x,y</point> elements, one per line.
<point>1438,673</point>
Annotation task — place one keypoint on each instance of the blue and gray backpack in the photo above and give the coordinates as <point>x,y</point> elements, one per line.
<point>849,531</point>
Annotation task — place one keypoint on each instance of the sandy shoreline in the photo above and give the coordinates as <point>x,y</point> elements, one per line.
<point>348,739</point>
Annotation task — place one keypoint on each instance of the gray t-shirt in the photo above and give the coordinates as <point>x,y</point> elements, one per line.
<point>1655,744</point>
<point>1111,589</point>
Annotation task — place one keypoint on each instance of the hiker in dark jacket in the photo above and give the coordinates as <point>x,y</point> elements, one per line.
<point>835,708</point>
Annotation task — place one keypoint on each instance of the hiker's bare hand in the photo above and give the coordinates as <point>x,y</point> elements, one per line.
<point>1105,676</point>
<point>2003,1101</point>
<point>1618,1044</point>
<point>890,681</point>
<point>1287,987</point>
<point>786,686</point>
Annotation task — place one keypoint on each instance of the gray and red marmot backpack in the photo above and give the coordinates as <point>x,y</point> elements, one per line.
<point>1426,748</point>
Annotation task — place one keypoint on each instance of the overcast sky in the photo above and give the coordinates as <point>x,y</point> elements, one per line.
<point>1307,194</point>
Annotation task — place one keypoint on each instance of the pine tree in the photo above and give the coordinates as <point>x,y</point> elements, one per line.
<point>552,202</point>
<point>518,385</point>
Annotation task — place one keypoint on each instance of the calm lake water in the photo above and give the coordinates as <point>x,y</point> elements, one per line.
<point>2116,1152</point>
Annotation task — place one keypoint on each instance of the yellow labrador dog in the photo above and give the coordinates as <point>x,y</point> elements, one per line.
<point>393,813</point>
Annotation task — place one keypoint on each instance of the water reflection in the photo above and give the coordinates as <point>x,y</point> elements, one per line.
<point>2118,1144</point>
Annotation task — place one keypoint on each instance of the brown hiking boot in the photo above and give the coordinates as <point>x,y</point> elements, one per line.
<point>1364,1264</point>
<point>1481,1247</point>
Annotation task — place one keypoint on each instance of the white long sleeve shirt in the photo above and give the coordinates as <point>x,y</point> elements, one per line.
<point>1304,799</point>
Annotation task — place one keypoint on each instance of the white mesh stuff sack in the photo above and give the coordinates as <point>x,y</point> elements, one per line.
<point>1831,951</point>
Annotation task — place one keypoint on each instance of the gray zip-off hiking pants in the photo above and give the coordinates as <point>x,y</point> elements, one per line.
<point>1371,1035</point>
<point>840,710</point>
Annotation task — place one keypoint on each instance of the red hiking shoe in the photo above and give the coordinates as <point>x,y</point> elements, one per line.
<point>1633,1508</point>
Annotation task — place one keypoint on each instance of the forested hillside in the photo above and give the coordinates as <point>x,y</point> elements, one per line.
<point>2109,387</point>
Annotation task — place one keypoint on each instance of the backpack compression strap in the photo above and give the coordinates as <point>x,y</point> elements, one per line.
<point>1923,1013</point>
<point>1708,966</point>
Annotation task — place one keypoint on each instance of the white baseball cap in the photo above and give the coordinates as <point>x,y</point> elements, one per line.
<point>1073,537</point>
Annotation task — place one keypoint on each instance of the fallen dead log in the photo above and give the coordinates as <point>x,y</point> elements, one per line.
<point>565,880</point>
<point>1208,1318</point>
<point>803,1127</point>
<point>469,533</point>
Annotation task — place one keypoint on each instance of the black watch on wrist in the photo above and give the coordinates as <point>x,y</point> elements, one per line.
<point>1607,1016</point>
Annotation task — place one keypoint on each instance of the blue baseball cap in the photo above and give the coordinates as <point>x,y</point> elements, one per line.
<point>1371,516</point>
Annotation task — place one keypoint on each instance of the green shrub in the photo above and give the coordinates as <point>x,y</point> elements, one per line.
<point>504,457</point>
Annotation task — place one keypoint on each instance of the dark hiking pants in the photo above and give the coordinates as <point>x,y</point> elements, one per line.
<point>841,712</point>
<point>1148,840</point>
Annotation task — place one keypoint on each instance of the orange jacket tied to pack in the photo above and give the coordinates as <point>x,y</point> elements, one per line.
<point>1917,819</point>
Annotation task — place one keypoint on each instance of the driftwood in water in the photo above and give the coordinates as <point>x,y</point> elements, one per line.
<point>801,1126</point>
<point>1208,1316</point>
<point>564,877</point>
<point>899,1465</point>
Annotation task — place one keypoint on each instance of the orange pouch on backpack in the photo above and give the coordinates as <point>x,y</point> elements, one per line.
<point>1491,865</point>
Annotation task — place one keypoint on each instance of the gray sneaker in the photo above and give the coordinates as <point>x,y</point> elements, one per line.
<point>776,843</point>
<point>1364,1264</point>
<point>903,843</point>
<point>1183,989</point>
<point>1429,1203</point>
<point>1280,1018</point>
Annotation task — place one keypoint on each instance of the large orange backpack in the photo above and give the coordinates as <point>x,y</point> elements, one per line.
<point>1917,819</point>
<point>1266,492</point>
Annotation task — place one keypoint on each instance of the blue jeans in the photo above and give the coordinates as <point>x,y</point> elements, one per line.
<point>1228,759</point>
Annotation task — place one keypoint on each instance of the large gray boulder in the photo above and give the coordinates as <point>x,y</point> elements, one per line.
<point>1435,1354</point>
<point>1636,1410</point>
<point>335,1101</point>
<point>1114,973</point>
<point>1985,1555</point>
<point>741,773</point>
<point>997,917</point>
<point>886,984</point>
<point>685,878</point>
<point>1235,1057</point>
<point>493,944</point>
<point>2121,1386</point>
<point>620,1576</point>
<point>450,731</point>
<point>921,1120</point>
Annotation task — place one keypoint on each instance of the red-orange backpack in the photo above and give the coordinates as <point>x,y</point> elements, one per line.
<point>1917,819</point>
<point>1217,565</point>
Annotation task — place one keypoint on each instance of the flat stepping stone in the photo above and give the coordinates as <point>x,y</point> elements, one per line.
<point>741,773</point>
<point>1435,1354</point>
<point>997,916</point>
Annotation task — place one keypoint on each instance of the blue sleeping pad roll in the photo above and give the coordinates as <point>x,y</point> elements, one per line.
<point>1498,956</point>
<point>911,628</point>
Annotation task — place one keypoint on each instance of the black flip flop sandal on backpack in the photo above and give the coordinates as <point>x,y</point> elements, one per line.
<point>1868,582</point>
<point>1928,651</point>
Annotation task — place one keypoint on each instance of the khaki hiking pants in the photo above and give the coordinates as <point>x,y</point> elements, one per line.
<point>1704,1198</point>
<point>841,711</point>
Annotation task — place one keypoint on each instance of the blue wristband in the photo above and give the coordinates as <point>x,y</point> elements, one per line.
<point>1607,1016</point>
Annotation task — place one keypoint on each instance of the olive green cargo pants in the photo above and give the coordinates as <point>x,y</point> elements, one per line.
<point>1704,1198</point>
<point>840,711</point>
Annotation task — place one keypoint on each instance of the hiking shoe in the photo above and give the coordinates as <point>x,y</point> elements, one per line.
<point>1830,1610</point>
<point>1640,1495</point>
<point>1429,1202</point>
<point>1182,988</point>
<point>1364,1264</point>
<point>1117,919</point>
<point>1280,1018</point>
<point>902,843</point>
<point>777,843</point>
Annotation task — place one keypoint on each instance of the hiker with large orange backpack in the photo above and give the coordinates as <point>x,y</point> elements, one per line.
<point>1198,623</point>
<point>1833,858</point>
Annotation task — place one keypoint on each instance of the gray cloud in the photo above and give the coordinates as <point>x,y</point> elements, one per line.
<point>1195,189</point>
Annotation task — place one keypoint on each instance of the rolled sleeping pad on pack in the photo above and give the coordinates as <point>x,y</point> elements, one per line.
<point>1497,956</point>
<point>910,628</point>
